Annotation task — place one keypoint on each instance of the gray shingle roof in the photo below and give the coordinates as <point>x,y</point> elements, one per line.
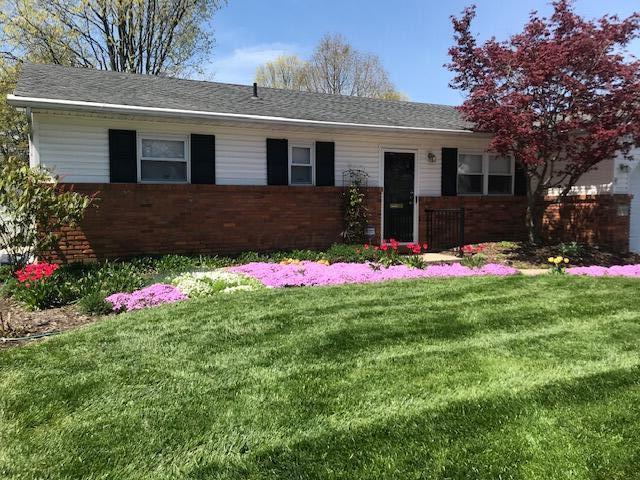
<point>80,84</point>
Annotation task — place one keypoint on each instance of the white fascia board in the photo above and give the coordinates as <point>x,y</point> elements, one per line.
<point>36,102</point>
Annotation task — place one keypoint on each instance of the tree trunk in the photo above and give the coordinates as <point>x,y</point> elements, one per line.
<point>533,216</point>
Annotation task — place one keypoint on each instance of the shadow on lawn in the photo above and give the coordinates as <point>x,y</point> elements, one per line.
<point>529,434</point>
<point>370,330</point>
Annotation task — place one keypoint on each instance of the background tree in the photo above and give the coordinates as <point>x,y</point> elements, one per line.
<point>13,124</point>
<point>560,97</point>
<point>335,67</point>
<point>155,37</point>
<point>286,71</point>
<point>139,36</point>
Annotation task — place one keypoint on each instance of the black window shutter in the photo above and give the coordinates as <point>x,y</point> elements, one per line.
<point>203,159</point>
<point>520,181</point>
<point>277,161</point>
<point>123,160</point>
<point>449,184</point>
<point>325,164</point>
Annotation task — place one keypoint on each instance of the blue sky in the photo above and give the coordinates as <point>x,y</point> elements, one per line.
<point>410,36</point>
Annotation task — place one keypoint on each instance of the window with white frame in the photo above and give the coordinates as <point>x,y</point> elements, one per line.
<point>163,159</point>
<point>500,177</point>
<point>301,165</point>
<point>470,174</point>
<point>485,174</point>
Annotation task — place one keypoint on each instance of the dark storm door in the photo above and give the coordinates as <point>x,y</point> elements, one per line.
<point>399,172</point>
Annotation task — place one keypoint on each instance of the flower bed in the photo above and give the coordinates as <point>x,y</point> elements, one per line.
<point>182,287</point>
<point>314,273</point>
<point>615,271</point>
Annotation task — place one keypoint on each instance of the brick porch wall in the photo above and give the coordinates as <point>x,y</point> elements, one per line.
<point>590,219</point>
<point>134,219</point>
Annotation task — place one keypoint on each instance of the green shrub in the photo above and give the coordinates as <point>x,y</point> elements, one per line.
<point>354,206</point>
<point>108,277</point>
<point>95,304</point>
<point>8,287</point>
<point>474,261</point>
<point>34,208</point>
<point>6,273</point>
<point>186,263</point>
<point>310,255</point>
<point>175,263</point>
<point>413,261</point>
<point>250,257</point>
<point>214,261</point>
<point>339,252</point>
<point>571,249</point>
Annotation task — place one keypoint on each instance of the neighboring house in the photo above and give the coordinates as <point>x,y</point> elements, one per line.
<point>189,166</point>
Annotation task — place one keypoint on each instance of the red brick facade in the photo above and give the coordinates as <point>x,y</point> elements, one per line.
<point>133,219</point>
<point>590,219</point>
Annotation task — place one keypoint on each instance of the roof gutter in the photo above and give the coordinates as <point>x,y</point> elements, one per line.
<point>36,102</point>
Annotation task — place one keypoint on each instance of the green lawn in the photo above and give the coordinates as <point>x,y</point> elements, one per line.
<point>532,378</point>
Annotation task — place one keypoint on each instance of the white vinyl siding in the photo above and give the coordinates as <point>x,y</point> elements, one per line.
<point>76,147</point>
<point>77,150</point>
<point>597,181</point>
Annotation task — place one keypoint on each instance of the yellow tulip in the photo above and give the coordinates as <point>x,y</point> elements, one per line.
<point>550,259</point>
<point>566,260</point>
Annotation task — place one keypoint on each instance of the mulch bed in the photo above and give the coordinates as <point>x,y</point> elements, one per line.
<point>18,322</point>
<point>525,255</point>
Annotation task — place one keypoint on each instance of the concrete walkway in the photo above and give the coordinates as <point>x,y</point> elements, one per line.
<point>531,272</point>
<point>448,258</point>
<point>440,258</point>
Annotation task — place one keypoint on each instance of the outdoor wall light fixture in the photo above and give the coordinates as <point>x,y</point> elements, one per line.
<point>431,157</point>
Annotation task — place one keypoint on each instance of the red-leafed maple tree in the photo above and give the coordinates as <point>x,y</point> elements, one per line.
<point>560,97</point>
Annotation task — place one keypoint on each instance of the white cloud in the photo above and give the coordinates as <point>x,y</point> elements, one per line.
<point>240,65</point>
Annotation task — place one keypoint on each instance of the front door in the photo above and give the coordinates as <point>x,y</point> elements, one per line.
<point>399,171</point>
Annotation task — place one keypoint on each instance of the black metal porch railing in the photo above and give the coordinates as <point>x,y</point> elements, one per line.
<point>445,228</point>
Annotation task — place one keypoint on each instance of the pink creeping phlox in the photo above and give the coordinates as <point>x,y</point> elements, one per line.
<point>615,271</point>
<point>313,273</point>
<point>151,296</point>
